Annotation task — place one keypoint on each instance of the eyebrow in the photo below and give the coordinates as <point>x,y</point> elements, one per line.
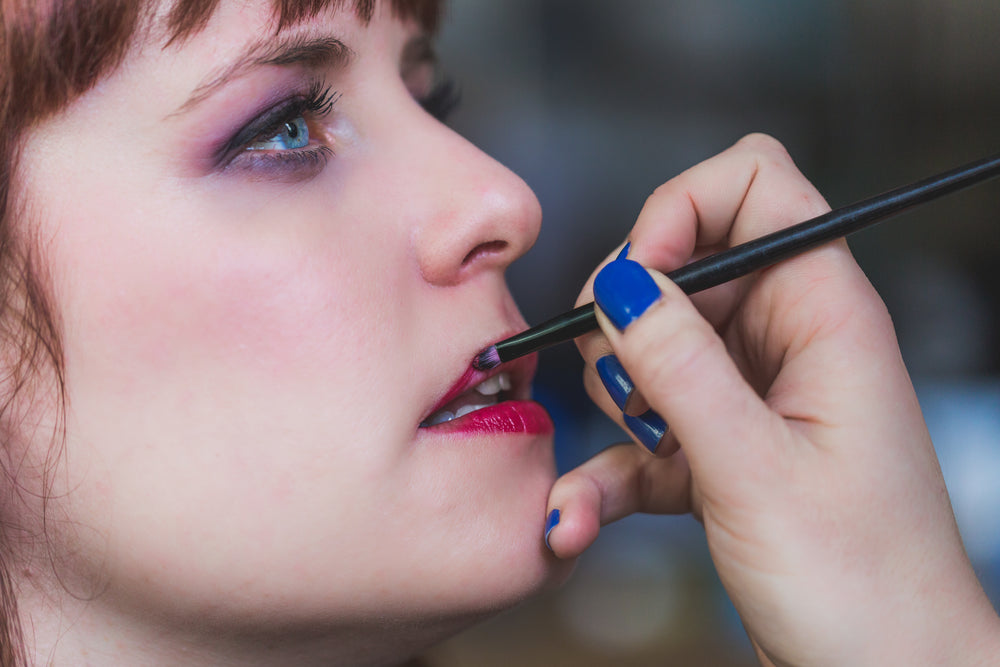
<point>310,52</point>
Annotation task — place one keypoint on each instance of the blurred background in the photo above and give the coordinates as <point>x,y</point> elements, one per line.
<point>596,102</point>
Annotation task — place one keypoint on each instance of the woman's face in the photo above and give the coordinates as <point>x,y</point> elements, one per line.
<point>271,266</point>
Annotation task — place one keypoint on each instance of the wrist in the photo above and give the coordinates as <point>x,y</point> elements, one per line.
<point>965,632</point>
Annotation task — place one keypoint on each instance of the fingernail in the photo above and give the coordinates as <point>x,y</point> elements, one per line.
<point>551,523</point>
<point>624,290</point>
<point>614,378</point>
<point>624,251</point>
<point>648,428</point>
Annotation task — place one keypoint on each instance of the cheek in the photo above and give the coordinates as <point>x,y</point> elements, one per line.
<point>218,345</point>
<point>269,307</point>
<point>255,311</point>
<point>225,375</point>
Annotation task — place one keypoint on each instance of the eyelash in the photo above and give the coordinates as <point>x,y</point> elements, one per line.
<point>317,103</point>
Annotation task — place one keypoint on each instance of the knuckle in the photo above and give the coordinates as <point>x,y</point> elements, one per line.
<point>765,145</point>
<point>796,196</point>
<point>768,153</point>
<point>659,195</point>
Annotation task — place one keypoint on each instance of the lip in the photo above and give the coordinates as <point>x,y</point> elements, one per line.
<point>517,414</point>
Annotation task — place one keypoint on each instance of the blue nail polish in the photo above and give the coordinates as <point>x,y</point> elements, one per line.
<point>624,290</point>
<point>624,252</point>
<point>648,428</point>
<point>615,379</point>
<point>551,523</point>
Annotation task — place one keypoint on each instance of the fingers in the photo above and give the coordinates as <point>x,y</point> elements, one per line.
<point>684,371</point>
<point>684,386</point>
<point>619,481</point>
<point>644,424</point>
<point>749,190</point>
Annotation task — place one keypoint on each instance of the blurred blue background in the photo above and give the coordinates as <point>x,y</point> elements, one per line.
<point>596,102</point>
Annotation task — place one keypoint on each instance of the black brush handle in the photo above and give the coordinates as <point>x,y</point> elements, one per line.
<point>754,255</point>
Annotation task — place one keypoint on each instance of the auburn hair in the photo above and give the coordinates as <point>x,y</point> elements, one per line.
<point>52,52</point>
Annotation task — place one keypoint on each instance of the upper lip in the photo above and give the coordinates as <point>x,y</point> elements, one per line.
<point>520,371</point>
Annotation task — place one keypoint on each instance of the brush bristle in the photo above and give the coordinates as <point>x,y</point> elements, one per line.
<point>487,360</point>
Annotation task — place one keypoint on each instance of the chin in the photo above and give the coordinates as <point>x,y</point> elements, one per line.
<point>471,521</point>
<point>506,593</point>
<point>504,561</point>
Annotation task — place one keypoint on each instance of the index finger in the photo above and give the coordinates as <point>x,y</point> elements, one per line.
<point>750,190</point>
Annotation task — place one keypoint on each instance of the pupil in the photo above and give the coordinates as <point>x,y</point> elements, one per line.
<point>293,130</point>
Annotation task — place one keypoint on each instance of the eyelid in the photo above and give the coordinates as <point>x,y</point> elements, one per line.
<point>318,102</point>
<point>293,166</point>
<point>261,125</point>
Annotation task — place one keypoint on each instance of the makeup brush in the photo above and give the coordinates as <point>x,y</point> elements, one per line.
<point>749,257</point>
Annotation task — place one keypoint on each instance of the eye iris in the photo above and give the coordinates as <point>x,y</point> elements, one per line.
<point>294,134</point>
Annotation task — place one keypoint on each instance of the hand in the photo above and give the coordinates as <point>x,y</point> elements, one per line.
<point>802,447</point>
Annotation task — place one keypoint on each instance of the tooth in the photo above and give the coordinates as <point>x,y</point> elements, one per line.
<point>491,386</point>
<point>466,409</point>
<point>504,382</point>
<point>440,418</point>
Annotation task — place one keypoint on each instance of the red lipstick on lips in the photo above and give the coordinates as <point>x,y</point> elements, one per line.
<point>512,410</point>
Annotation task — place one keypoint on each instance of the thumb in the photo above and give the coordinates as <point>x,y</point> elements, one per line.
<point>682,368</point>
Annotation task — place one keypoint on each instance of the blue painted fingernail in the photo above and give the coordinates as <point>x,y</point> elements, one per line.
<point>551,523</point>
<point>624,290</point>
<point>648,428</point>
<point>615,379</point>
<point>624,252</point>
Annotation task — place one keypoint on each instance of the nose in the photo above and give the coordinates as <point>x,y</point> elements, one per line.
<point>474,215</point>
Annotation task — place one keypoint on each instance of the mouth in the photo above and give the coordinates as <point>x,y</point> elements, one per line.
<point>486,394</point>
<point>495,400</point>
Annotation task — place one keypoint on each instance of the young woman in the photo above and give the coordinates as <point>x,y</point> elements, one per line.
<point>245,271</point>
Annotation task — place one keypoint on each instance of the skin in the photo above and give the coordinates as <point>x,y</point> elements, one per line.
<point>249,353</point>
<point>802,446</point>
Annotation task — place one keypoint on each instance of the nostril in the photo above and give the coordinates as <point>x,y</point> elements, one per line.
<point>484,250</point>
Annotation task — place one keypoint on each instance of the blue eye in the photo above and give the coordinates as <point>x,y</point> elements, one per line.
<point>294,134</point>
<point>283,142</point>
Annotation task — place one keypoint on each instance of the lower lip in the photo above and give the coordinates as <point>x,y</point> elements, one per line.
<point>526,417</point>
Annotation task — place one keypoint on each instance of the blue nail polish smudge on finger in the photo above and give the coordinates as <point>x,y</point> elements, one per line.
<point>623,289</point>
<point>615,380</point>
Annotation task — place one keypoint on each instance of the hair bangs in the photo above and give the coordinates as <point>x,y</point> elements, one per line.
<point>188,17</point>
